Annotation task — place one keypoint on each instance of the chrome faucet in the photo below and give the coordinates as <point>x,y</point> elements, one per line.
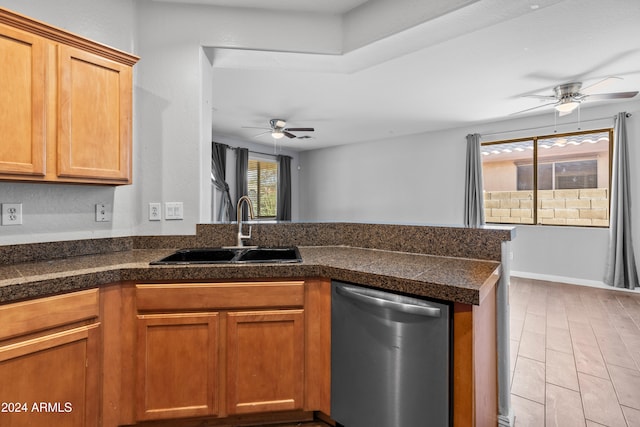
<point>241,236</point>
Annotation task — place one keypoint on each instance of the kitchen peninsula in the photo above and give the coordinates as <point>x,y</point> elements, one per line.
<point>118,294</point>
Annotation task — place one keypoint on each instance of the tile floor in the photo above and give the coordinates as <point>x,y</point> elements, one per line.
<point>575,355</point>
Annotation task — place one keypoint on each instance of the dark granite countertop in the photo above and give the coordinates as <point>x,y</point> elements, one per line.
<point>447,278</point>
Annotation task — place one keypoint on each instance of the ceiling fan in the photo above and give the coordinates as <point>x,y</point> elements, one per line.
<point>279,130</point>
<point>568,96</point>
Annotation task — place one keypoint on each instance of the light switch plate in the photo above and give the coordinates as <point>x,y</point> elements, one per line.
<point>11,213</point>
<point>173,210</point>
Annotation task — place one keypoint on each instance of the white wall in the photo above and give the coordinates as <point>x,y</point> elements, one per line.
<point>58,211</point>
<point>420,179</point>
<point>173,95</point>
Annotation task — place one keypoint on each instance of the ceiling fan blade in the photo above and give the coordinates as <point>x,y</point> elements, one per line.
<point>262,133</point>
<point>533,108</point>
<point>289,135</point>
<point>254,127</point>
<point>300,129</point>
<point>304,137</point>
<point>599,85</point>
<point>614,95</point>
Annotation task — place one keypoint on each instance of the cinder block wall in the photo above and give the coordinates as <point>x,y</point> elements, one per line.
<point>586,207</point>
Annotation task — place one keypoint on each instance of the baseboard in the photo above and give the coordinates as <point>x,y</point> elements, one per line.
<point>506,420</point>
<point>570,281</point>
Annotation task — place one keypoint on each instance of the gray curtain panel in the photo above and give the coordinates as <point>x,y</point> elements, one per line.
<point>621,270</point>
<point>218,179</point>
<point>473,197</point>
<point>283,211</point>
<point>242,184</point>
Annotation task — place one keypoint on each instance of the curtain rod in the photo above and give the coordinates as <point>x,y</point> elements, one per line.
<point>542,127</point>
<point>251,151</point>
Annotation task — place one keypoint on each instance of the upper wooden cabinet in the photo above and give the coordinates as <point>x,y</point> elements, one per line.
<point>65,106</point>
<point>22,102</point>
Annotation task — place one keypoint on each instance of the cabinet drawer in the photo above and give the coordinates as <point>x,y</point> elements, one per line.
<point>219,296</point>
<point>45,313</point>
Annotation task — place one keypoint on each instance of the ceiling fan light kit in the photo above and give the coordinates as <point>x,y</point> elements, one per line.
<point>567,106</point>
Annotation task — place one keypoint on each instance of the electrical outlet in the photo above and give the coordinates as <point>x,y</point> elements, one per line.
<point>155,211</point>
<point>173,210</point>
<point>11,213</point>
<point>103,212</point>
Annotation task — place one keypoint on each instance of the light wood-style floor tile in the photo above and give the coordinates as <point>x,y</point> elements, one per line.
<point>632,416</point>
<point>529,379</point>
<point>590,372</point>
<point>559,339</point>
<point>528,413</point>
<point>532,346</point>
<point>627,384</point>
<point>563,408</point>
<point>589,360</point>
<point>515,327</point>
<point>561,370</point>
<point>535,323</point>
<point>600,402</point>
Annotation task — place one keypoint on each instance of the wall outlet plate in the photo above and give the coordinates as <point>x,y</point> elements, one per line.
<point>11,213</point>
<point>155,211</point>
<point>103,212</point>
<point>173,210</point>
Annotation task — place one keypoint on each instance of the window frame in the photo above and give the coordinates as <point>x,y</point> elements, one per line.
<point>535,190</point>
<point>263,158</point>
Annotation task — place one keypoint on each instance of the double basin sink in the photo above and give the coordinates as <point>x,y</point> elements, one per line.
<point>232,255</point>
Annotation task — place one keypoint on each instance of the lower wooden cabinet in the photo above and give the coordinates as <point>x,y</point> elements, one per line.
<point>220,349</point>
<point>177,366</point>
<point>50,362</point>
<point>265,361</point>
<point>242,353</point>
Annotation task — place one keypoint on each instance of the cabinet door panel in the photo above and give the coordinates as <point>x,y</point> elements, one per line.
<point>265,361</point>
<point>94,129</point>
<point>22,102</point>
<point>177,365</point>
<point>53,380</point>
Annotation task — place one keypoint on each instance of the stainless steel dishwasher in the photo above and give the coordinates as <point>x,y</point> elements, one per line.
<point>390,359</point>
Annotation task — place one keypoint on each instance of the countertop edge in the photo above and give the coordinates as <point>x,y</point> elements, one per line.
<point>397,277</point>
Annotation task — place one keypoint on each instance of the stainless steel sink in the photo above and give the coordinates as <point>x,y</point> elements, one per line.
<point>232,256</point>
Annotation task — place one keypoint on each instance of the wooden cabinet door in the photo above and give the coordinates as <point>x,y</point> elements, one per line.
<point>265,361</point>
<point>94,117</point>
<point>22,103</point>
<point>177,365</point>
<point>51,380</point>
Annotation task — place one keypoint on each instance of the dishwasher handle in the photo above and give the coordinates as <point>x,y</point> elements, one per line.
<point>420,310</point>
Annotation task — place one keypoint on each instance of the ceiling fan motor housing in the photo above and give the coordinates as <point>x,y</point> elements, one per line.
<point>568,91</point>
<point>277,123</point>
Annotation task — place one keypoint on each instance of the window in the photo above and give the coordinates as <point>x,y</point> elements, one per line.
<point>262,176</point>
<point>565,177</point>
